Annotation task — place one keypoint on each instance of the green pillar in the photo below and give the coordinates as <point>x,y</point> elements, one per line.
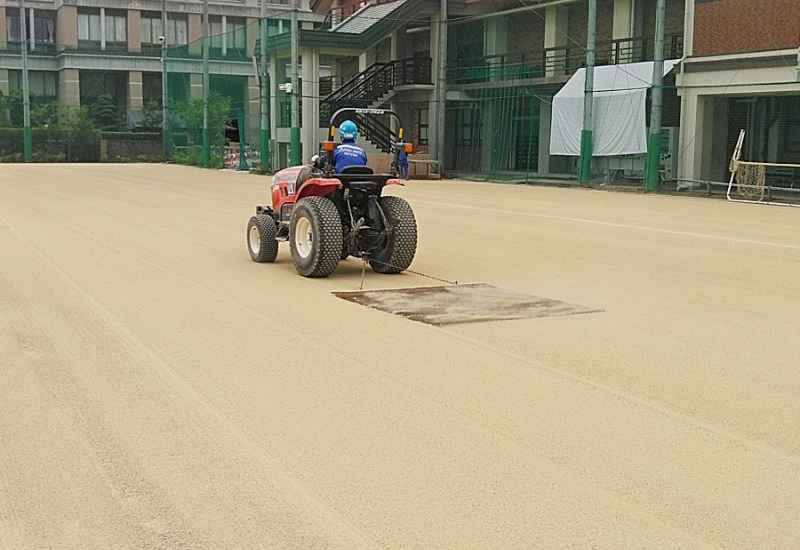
<point>295,155</point>
<point>585,163</point>
<point>27,143</point>
<point>653,161</point>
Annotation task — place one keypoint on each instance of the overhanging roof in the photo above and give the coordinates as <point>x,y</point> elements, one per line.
<point>360,31</point>
<point>367,16</point>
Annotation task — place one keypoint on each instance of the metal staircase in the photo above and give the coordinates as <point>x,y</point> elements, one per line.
<point>370,89</point>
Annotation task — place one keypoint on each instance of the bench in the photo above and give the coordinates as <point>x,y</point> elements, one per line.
<point>427,163</point>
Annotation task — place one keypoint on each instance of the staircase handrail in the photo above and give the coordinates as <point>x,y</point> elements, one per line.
<point>353,82</point>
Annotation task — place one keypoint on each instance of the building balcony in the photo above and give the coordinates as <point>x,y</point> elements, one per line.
<point>558,61</point>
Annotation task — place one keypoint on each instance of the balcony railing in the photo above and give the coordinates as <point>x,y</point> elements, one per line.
<point>495,67</point>
<point>560,60</point>
<point>39,48</point>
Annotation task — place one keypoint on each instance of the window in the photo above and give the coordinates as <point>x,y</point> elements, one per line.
<point>116,26</point>
<point>469,126</point>
<point>177,29</point>
<point>89,26</point>
<point>422,118</point>
<point>151,87</point>
<point>41,83</point>
<point>235,37</point>
<point>215,24</point>
<point>44,27</point>
<point>151,27</point>
<point>12,25</point>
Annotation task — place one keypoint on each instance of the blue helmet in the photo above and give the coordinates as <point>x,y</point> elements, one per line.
<point>348,130</point>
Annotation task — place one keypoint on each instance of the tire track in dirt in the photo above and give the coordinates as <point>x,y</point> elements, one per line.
<point>290,486</point>
<point>423,397</point>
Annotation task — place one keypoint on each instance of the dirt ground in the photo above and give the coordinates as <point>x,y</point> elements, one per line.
<point>161,391</point>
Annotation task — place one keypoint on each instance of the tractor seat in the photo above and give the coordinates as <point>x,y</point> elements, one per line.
<point>302,176</point>
<point>357,170</point>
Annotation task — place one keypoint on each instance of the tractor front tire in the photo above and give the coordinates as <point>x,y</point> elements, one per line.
<point>261,243</point>
<point>401,243</point>
<point>315,236</point>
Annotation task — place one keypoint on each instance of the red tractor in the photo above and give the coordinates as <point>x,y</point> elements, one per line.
<point>327,217</point>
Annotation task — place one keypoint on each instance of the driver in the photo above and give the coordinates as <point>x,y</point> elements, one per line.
<point>348,153</point>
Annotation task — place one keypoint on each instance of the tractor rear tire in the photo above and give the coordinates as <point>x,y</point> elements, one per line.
<point>401,243</point>
<point>315,236</point>
<point>261,243</point>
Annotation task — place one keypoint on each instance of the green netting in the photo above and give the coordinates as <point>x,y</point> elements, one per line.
<point>236,76</point>
<point>495,133</point>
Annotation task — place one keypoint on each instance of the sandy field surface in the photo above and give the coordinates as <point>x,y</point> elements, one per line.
<point>159,390</point>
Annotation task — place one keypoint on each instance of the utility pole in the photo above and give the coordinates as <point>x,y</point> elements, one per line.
<point>164,114</point>
<point>654,139</point>
<point>441,86</point>
<point>265,88</point>
<point>296,156</point>
<point>585,166</point>
<point>206,84</point>
<point>27,141</point>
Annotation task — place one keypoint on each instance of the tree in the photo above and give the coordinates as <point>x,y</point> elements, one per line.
<point>5,118</point>
<point>151,115</point>
<point>219,109</point>
<point>104,113</point>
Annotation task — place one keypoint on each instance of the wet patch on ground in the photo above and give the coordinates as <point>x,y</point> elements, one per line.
<point>471,303</point>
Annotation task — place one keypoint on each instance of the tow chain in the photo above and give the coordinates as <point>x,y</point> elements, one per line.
<point>365,259</point>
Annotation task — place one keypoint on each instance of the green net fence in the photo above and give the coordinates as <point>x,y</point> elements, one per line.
<point>232,133</point>
<point>495,134</point>
<point>120,96</point>
<point>130,99</point>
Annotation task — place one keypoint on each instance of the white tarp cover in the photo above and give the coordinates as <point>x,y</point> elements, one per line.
<point>618,118</point>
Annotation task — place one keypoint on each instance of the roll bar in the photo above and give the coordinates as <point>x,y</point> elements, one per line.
<point>328,145</point>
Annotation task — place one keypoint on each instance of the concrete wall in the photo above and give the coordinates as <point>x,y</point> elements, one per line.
<point>526,31</point>
<point>704,113</point>
<point>69,87</point>
<point>134,30</point>
<point>2,28</point>
<point>195,23</point>
<point>673,24</point>
<point>4,81</point>
<point>129,149</point>
<point>579,18</point>
<point>135,99</point>
<point>67,27</point>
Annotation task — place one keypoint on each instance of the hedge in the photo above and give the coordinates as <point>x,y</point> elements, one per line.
<point>51,145</point>
<point>131,136</point>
